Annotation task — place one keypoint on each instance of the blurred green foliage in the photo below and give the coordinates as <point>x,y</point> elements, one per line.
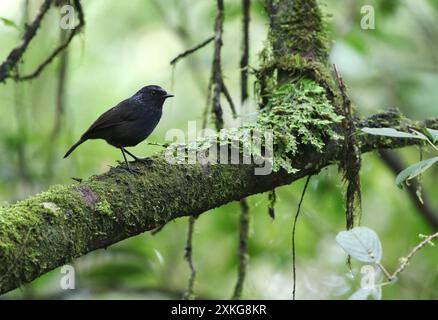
<point>127,44</point>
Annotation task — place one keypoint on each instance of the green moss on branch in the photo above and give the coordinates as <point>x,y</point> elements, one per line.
<point>65,222</point>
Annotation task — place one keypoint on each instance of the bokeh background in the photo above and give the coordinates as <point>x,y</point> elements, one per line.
<point>128,44</point>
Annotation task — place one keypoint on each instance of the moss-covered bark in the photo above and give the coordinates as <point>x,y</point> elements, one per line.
<point>65,222</point>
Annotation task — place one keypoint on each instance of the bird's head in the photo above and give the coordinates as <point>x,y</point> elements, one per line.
<point>153,93</point>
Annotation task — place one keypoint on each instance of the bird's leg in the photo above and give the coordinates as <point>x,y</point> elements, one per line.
<point>127,163</point>
<point>144,160</point>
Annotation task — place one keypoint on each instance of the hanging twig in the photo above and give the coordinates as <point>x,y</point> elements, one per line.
<point>244,60</point>
<point>351,162</point>
<point>294,273</point>
<point>244,208</point>
<point>189,257</point>
<point>206,112</point>
<point>243,248</point>
<point>218,84</point>
<point>191,50</point>
<point>229,99</point>
<point>216,74</point>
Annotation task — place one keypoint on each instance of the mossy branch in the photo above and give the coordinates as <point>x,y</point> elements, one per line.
<point>67,221</point>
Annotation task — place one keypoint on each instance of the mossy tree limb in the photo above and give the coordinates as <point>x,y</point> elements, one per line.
<point>65,222</point>
<point>54,227</point>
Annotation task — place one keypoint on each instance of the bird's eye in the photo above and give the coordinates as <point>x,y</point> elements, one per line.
<point>153,92</point>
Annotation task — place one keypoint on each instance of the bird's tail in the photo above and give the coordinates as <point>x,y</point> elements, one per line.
<point>73,147</point>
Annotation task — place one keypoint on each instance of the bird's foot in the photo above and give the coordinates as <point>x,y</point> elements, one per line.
<point>147,161</point>
<point>128,168</point>
<point>131,170</point>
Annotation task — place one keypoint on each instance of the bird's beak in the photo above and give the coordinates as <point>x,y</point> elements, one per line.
<point>168,95</point>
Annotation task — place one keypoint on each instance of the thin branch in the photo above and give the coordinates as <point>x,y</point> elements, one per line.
<point>244,60</point>
<point>407,259</point>
<point>244,208</point>
<point>217,66</point>
<point>188,295</point>
<point>294,273</point>
<point>60,48</point>
<point>16,54</point>
<point>229,99</point>
<point>206,112</point>
<point>424,206</point>
<point>243,248</point>
<point>191,50</point>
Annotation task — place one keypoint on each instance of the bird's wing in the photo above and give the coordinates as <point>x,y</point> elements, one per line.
<point>123,112</point>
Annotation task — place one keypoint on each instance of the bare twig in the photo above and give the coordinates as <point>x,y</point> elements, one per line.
<point>407,259</point>
<point>59,49</point>
<point>206,112</point>
<point>229,99</point>
<point>294,273</point>
<point>244,60</point>
<point>216,74</point>
<point>243,248</point>
<point>191,50</point>
<point>16,54</point>
<point>244,208</point>
<point>189,257</point>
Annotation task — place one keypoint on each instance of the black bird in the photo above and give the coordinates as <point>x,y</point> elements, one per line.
<point>128,123</point>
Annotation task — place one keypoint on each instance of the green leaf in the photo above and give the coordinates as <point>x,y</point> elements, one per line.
<point>9,23</point>
<point>390,132</point>
<point>414,170</point>
<point>361,243</point>
<point>433,133</point>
